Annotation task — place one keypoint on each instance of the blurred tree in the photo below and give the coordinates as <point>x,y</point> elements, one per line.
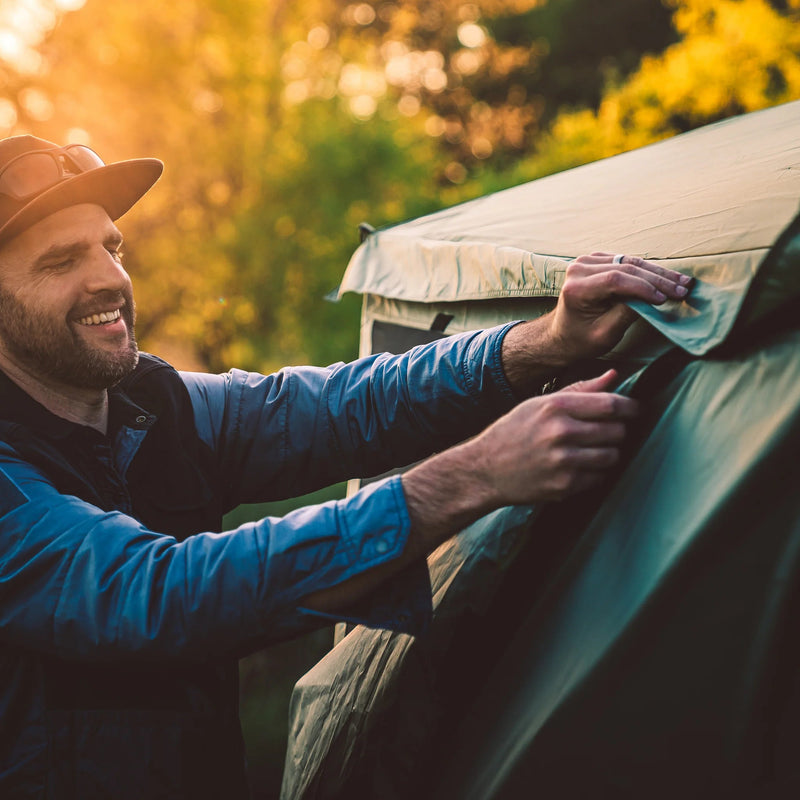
<point>489,73</point>
<point>732,56</point>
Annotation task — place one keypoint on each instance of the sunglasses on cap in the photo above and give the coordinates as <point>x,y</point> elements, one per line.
<point>32,173</point>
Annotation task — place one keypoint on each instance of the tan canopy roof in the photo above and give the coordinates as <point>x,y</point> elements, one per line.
<point>710,202</point>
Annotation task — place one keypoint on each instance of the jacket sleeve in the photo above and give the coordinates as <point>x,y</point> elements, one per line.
<point>81,583</point>
<point>286,434</point>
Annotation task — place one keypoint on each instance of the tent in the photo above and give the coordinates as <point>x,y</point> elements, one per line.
<point>641,642</point>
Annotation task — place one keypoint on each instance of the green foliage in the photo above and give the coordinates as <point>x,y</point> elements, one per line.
<point>732,56</point>
<point>291,247</point>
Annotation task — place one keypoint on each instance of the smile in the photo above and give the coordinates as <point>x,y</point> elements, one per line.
<point>103,318</point>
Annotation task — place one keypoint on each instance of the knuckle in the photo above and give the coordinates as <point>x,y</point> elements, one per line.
<point>660,280</point>
<point>559,461</point>
<point>575,386</point>
<point>561,483</point>
<point>525,408</point>
<point>560,429</point>
<point>598,337</point>
<point>555,404</point>
<point>607,405</point>
<point>524,411</point>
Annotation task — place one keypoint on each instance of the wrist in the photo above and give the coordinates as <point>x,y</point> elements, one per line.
<point>533,352</point>
<point>447,492</point>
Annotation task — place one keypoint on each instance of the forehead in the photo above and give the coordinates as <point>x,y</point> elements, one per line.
<point>80,223</point>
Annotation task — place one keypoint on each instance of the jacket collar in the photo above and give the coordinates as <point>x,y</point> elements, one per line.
<point>16,405</point>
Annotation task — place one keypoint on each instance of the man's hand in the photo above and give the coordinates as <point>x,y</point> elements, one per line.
<point>550,447</point>
<point>590,316</point>
<point>545,449</point>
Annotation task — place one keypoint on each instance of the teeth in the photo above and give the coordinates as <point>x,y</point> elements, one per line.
<point>99,319</point>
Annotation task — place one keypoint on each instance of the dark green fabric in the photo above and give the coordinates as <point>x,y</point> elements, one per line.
<point>663,660</point>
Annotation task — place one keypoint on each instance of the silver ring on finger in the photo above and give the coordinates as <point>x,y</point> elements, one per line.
<point>617,258</point>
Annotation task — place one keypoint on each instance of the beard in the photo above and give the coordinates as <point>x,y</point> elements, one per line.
<point>55,351</point>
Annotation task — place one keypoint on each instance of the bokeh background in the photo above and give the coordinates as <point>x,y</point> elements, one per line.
<point>285,125</point>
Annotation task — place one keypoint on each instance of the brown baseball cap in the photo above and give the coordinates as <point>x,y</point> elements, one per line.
<point>38,178</point>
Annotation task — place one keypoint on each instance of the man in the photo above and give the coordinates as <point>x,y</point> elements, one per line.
<point>122,613</point>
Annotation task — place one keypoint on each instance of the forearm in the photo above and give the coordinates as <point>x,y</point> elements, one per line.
<point>443,495</point>
<point>544,449</point>
<point>446,493</point>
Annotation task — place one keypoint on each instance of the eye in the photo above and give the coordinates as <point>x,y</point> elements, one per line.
<point>116,254</point>
<point>62,266</point>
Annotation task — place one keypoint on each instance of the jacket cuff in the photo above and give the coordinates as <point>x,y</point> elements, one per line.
<point>376,526</point>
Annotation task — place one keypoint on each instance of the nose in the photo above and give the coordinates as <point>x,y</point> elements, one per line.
<point>104,272</point>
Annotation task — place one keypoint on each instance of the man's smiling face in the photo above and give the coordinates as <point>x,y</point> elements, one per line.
<point>66,302</point>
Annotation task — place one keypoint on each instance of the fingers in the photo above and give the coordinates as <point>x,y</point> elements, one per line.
<point>590,282</point>
<point>600,406</point>
<point>551,446</point>
<point>583,433</point>
<point>631,277</point>
<point>602,383</point>
<point>590,458</point>
<point>591,317</point>
<point>577,469</point>
<point>636,261</point>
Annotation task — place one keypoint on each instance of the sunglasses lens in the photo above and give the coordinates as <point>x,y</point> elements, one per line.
<point>32,173</point>
<point>29,175</point>
<point>82,157</point>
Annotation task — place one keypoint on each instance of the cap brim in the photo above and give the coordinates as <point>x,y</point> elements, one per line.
<point>115,187</point>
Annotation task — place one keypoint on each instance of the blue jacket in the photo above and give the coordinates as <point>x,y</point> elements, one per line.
<point>123,609</point>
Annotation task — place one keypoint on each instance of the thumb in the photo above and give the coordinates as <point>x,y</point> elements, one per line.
<point>602,383</point>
